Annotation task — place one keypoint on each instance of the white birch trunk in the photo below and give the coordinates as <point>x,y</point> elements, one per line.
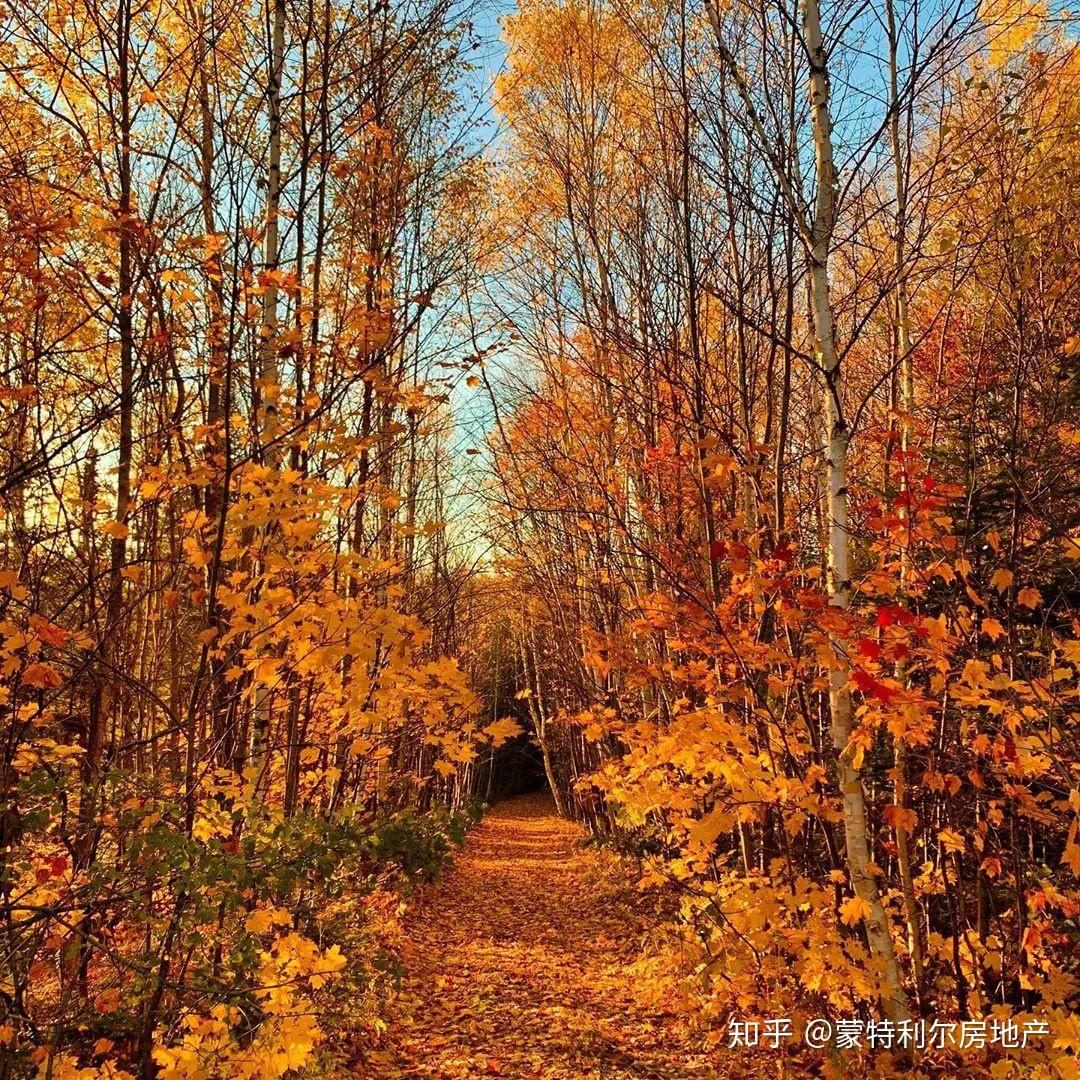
<point>863,882</point>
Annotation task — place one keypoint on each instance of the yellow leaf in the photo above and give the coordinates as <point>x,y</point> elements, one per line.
<point>9,582</point>
<point>1001,579</point>
<point>306,529</point>
<point>710,827</point>
<point>259,921</point>
<point>950,840</point>
<point>855,910</point>
<point>1071,858</point>
<point>1029,597</point>
<point>501,730</point>
<point>332,960</point>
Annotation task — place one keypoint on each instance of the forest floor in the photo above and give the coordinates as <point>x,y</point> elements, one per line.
<point>519,964</point>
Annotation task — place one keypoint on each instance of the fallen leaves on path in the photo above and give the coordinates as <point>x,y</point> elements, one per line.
<point>520,965</point>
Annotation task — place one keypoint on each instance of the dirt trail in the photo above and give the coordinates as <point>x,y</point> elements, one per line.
<point>517,967</point>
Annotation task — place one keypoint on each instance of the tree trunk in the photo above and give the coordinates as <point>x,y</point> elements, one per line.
<point>839,537</point>
<point>269,373</point>
<point>907,406</point>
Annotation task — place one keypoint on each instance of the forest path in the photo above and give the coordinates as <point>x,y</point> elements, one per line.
<point>518,966</point>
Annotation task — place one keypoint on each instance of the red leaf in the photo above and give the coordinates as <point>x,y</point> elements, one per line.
<point>870,649</point>
<point>55,866</point>
<point>783,552</point>
<point>885,692</point>
<point>888,614</point>
<point>863,681</point>
<point>866,683</point>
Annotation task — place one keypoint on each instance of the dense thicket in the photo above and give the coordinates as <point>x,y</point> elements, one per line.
<point>789,483</point>
<point>227,600</point>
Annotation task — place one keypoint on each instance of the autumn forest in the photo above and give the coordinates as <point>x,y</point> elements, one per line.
<point>539,540</point>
